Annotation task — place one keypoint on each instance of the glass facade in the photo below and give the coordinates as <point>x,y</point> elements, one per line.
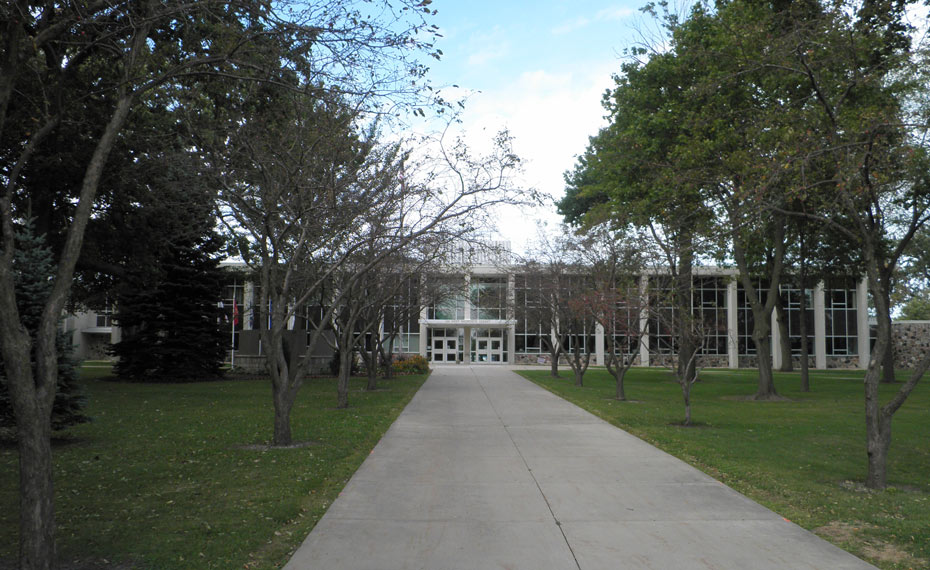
<point>532,331</point>
<point>488,298</point>
<point>841,331</point>
<point>709,302</point>
<point>503,317</point>
<point>792,298</point>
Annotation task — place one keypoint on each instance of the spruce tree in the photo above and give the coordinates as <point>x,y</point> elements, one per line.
<point>33,269</point>
<point>169,317</point>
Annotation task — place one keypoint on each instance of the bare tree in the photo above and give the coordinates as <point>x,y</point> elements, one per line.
<point>307,205</point>
<point>61,63</point>
<point>617,298</point>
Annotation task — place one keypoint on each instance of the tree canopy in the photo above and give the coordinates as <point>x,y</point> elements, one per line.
<point>752,115</point>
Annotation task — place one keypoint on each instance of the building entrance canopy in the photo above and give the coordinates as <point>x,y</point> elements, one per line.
<point>468,340</point>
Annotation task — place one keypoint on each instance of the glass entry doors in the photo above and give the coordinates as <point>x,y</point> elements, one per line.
<point>488,345</point>
<point>445,344</point>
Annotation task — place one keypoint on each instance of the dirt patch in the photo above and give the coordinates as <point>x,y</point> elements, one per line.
<point>859,487</point>
<point>849,533</point>
<point>890,553</point>
<point>841,531</point>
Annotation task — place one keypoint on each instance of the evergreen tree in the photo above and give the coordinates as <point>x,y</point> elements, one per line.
<point>33,268</point>
<point>169,316</point>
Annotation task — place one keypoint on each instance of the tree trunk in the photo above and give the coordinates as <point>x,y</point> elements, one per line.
<point>686,338</point>
<point>37,523</point>
<point>888,366</point>
<point>387,358</point>
<point>618,376</point>
<point>554,362</point>
<point>283,403</point>
<point>345,371</point>
<point>784,341</point>
<point>686,392</point>
<point>371,365</point>
<point>579,377</point>
<point>877,423</point>
<point>36,494</point>
<point>766,388</point>
<point>878,429</point>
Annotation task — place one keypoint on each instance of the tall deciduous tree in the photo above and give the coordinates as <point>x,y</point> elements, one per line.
<point>59,59</point>
<point>630,172</point>
<point>867,83</point>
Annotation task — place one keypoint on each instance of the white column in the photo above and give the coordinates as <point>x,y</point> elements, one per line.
<point>466,346</point>
<point>599,345</point>
<point>820,328</point>
<point>732,325</point>
<point>644,321</point>
<point>777,356</point>
<point>424,314</point>
<point>511,344</point>
<point>862,323</point>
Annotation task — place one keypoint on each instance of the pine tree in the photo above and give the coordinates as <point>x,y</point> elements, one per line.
<point>169,316</point>
<point>33,268</point>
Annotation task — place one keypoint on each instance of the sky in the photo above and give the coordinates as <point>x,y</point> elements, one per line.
<point>540,70</point>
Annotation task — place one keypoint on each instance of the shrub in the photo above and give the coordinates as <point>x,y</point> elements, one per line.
<point>415,364</point>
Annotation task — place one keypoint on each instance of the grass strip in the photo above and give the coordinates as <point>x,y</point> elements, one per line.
<point>804,458</point>
<point>180,476</point>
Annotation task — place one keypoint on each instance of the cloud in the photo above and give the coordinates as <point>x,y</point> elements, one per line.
<point>615,13</point>
<point>551,114</point>
<point>570,26</point>
<point>487,46</point>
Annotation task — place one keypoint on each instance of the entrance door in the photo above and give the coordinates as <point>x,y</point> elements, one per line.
<point>445,345</point>
<point>489,345</point>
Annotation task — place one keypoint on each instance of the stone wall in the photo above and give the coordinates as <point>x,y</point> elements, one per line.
<point>846,362</point>
<point>911,343</point>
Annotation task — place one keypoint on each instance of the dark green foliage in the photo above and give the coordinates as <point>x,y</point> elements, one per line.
<point>169,316</point>
<point>33,269</point>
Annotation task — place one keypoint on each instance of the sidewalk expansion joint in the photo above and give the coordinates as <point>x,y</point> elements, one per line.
<point>525,464</point>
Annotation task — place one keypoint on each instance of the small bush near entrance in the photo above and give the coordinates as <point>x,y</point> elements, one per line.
<point>415,364</point>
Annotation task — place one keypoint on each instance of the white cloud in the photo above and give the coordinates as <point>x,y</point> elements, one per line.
<point>487,46</point>
<point>615,13</point>
<point>550,114</point>
<point>570,26</point>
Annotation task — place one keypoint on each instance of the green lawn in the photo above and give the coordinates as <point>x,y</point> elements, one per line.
<point>175,476</point>
<point>804,458</point>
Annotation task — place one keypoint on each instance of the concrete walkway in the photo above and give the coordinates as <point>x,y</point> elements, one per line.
<point>485,470</point>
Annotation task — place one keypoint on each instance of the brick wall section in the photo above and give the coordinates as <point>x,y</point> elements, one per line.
<point>911,342</point>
